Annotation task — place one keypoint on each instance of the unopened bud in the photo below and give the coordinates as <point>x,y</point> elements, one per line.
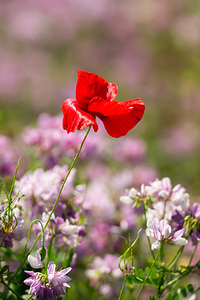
<point>42,252</point>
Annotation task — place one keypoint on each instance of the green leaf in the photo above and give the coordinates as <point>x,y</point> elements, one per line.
<point>155,276</point>
<point>141,273</point>
<point>151,298</point>
<point>52,256</point>
<point>183,291</point>
<point>137,280</point>
<point>4,269</point>
<point>129,278</point>
<point>154,273</point>
<point>190,288</point>
<point>175,297</point>
<point>168,297</point>
<point>147,270</point>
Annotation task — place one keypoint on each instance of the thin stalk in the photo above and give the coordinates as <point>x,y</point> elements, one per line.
<point>5,235</point>
<point>10,289</point>
<point>70,169</point>
<point>176,257</point>
<point>149,273</point>
<point>162,254</point>
<point>57,199</point>
<point>123,287</point>
<point>175,280</point>
<point>49,250</point>
<point>127,250</point>
<point>29,233</point>
<point>193,254</point>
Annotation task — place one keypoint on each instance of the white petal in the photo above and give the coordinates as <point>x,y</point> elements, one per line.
<point>126,200</point>
<point>155,245</point>
<point>149,232</point>
<point>34,262</point>
<point>180,242</point>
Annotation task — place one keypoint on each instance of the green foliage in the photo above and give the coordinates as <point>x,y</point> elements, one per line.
<point>190,288</point>
<point>183,291</point>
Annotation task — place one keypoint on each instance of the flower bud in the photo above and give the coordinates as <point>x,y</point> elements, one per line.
<point>42,252</point>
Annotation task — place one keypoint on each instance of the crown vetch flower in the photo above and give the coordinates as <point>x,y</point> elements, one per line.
<point>50,285</point>
<point>162,231</point>
<point>94,97</point>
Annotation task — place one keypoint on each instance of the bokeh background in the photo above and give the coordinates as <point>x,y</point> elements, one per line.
<point>149,48</point>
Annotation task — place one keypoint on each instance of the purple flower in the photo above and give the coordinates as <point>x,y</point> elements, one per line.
<point>52,144</point>
<point>50,285</point>
<point>108,265</point>
<point>189,220</point>
<point>58,278</point>
<point>162,231</point>
<point>42,187</point>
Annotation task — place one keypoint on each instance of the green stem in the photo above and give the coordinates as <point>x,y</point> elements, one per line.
<point>10,289</point>
<point>176,257</point>
<point>69,171</point>
<point>175,280</point>
<point>149,273</point>
<point>49,250</point>
<point>5,235</point>
<point>162,254</point>
<point>29,233</point>
<point>129,248</point>
<point>193,254</point>
<point>58,197</point>
<point>122,289</point>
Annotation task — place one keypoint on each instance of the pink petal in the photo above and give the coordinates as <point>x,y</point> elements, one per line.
<point>51,268</point>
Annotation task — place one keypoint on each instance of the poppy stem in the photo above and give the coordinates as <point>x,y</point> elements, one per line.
<point>57,199</point>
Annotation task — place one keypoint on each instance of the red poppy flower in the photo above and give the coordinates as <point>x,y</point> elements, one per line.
<point>94,97</point>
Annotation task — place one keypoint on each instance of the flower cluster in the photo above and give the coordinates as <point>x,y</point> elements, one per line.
<point>162,231</point>
<point>42,187</point>
<point>40,190</point>
<point>50,285</point>
<point>169,214</point>
<point>104,270</point>
<point>190,220</point>
<point>11,223</point>
<point>52,144</point>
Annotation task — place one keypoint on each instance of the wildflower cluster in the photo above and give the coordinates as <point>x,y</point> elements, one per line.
<point>55,218</point>
<point>48,285</point>
<point>169,219</point>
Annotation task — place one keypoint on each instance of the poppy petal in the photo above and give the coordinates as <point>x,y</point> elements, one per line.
<point>76,118</point>
<point>118,117</point>
<point>100,107</point>
<point>90,85</point>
